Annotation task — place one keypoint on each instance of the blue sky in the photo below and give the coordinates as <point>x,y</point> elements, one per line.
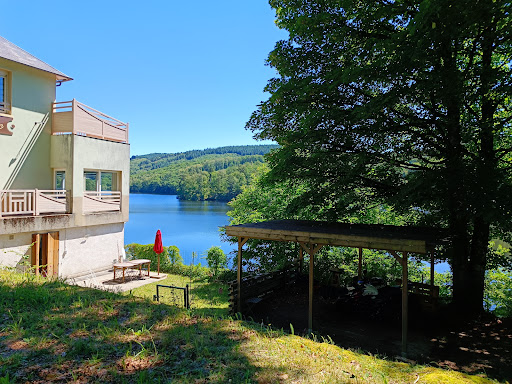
<point>185,75</point>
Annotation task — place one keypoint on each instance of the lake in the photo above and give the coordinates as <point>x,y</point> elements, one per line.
<point>192,226</point>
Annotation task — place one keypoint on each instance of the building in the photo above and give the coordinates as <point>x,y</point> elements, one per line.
<point>64,174</point>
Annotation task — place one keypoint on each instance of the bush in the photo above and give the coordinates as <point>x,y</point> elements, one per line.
<point>498,292</point>
<point>169,258</point>
<point>216,259</point>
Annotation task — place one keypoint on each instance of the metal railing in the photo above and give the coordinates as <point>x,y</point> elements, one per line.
<point>173,298</point>
<point>19,202</point>
<point>73,117</point>
<point>101,201</point>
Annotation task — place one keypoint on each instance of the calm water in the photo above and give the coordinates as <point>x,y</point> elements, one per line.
<point>192,226</point>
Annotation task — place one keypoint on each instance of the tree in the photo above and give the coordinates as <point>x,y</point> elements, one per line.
<point>405,103</point>
<point>216,259</point>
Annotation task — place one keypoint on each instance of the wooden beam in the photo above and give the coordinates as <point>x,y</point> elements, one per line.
<point>341,240</point>
<point>395,255</point>
<point>311,249</point>
<point>405,304</point>
<point>360,264</point>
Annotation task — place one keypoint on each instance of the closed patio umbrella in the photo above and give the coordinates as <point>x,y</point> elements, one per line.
<point>158,248</point>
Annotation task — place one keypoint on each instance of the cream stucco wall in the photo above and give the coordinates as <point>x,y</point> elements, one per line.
<point>82,250</point>
<point>33,92</point>
<point>76,154</point>
<point>89,249</point>
<point>13,248</point>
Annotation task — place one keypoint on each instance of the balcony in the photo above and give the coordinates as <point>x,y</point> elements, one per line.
<point>73,117</point>
<point>37,202</point>
<point>32,202</point>
<point>104,201</point>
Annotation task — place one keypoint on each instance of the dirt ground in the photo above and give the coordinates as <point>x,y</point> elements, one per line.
<point>373,325</point>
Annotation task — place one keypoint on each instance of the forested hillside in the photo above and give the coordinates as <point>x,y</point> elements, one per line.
<point>210,174</point>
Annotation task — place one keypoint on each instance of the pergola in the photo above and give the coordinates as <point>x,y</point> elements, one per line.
<point>313,235</point>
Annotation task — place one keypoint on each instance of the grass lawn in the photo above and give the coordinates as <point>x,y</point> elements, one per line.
<point>205,298</point>
<point>53,332</point>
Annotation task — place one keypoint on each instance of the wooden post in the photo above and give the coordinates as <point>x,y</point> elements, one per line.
<point>35,207</point>
<point>301,259</point>
<point>311,249</point>
<point>432,268</point>
<point>241,242</point>
<point>360,265</point>
<point>404,304</point>
<point>36,238</point>
<point>74,111</point>
<point>239,276</point>
<point>310,312</point>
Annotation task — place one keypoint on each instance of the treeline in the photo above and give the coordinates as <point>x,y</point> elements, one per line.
<point>210,176</point>
<point>161,160</point>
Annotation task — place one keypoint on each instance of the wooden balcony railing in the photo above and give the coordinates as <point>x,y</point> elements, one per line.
<point>5,107</point>
<point>34,202</point>
<point>102,201</point>
<point>72,117</point>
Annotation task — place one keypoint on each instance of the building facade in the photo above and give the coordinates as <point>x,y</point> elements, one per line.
<point>64,174</point>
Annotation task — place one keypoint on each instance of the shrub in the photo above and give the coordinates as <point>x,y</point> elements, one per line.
<point>216,259</point>
<point>169,258</point>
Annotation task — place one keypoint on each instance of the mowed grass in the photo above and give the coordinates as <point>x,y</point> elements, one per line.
<point>206,298</point>
<point>53,332</point>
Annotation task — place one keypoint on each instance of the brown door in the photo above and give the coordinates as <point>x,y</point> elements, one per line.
<point>45,253</point>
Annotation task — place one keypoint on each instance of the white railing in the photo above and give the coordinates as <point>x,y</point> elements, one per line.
<point>34,202</point>
<point>73,117</point>
<point>5,107</point>
<point>101,201</point>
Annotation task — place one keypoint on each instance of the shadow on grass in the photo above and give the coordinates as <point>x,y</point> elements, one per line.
<point>50,331</point>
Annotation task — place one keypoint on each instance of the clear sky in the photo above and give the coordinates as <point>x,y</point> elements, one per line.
<point>184,74</point>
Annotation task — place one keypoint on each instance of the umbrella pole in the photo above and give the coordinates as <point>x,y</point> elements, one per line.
<point>158,264</point>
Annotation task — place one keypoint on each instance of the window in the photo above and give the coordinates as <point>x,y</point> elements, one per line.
<point>91,181</point>
<point>106,181</point>
<point>60,180</point>
<point>5,105</point>
<point>99,181</point>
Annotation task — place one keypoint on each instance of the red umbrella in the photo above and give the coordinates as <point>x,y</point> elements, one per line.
<point>158,248</point>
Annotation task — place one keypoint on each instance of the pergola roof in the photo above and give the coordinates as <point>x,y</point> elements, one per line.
<point>370,236</point>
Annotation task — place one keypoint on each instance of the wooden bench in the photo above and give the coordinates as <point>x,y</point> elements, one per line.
<point>132,264</point>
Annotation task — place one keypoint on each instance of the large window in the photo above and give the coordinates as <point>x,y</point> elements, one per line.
<point>100,181</point>
<point>5,104</point>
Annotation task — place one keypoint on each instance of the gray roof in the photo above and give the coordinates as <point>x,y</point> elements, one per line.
<point>12,52</point>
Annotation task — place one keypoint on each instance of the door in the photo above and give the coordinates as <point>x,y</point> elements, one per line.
<point>45,253</point>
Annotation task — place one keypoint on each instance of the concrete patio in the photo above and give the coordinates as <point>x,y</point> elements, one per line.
<point>105,280</point>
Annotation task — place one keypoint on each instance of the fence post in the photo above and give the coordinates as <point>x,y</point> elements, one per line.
<point>35,207</point>
<point>187,297</point>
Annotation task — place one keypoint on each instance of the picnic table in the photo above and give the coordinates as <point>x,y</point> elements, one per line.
<point>132,264</point>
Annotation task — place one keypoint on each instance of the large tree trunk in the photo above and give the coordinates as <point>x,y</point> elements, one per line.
<point>468,266</point>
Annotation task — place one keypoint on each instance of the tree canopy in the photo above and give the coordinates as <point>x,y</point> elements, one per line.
<point>404,103</point>
<point>210,174</point>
